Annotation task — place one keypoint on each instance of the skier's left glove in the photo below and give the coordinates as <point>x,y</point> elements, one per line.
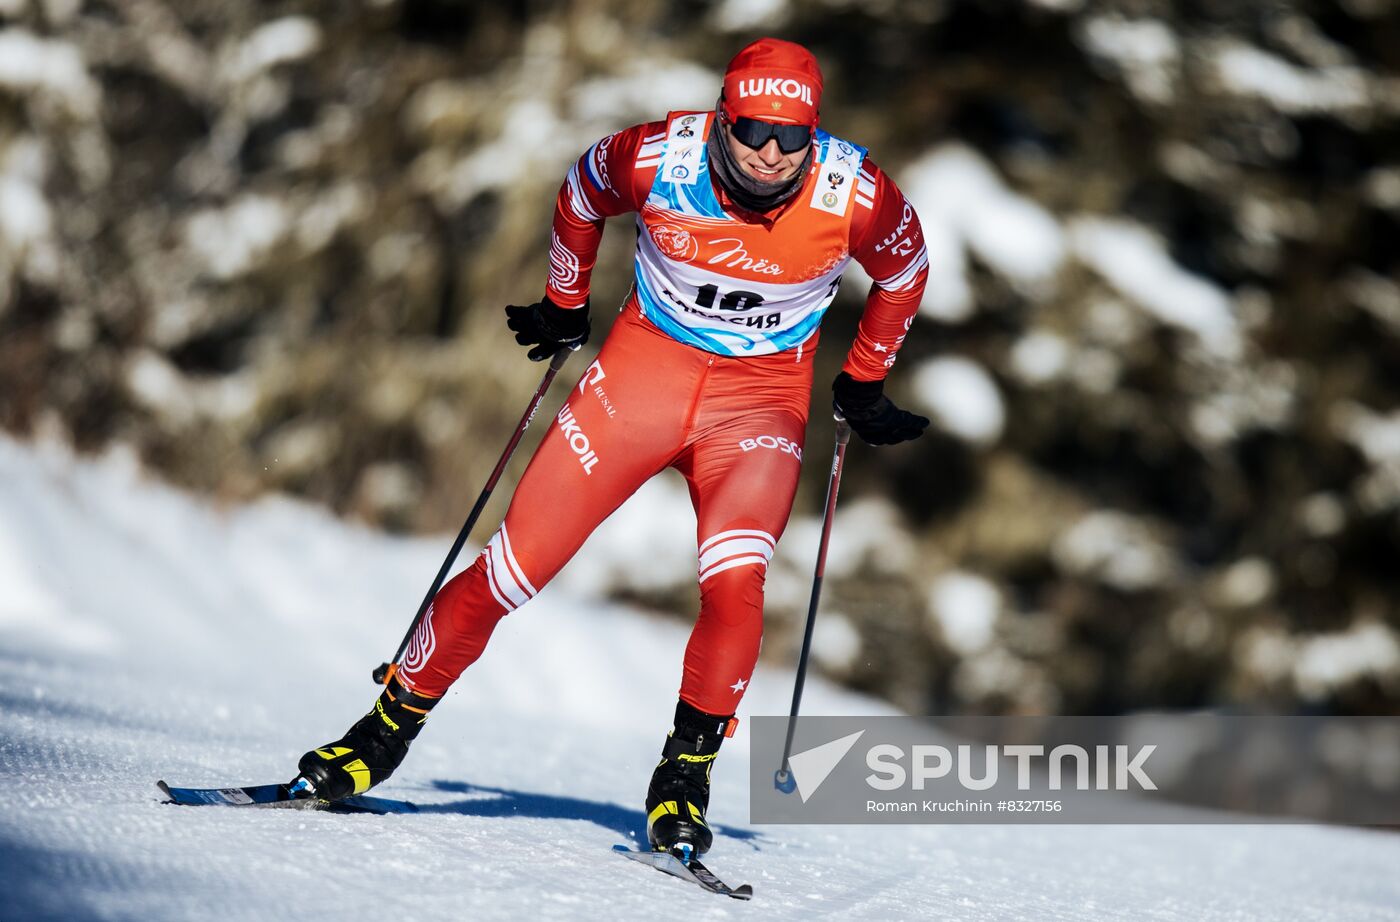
<point>872,415</point>
<point>548,327</point>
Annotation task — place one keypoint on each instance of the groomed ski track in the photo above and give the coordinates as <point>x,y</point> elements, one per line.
<point>145,634</point>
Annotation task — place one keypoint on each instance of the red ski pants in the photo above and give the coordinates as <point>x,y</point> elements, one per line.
<point>732,426</point>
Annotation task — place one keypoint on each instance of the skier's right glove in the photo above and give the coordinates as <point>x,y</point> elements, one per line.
<point>548,327</point>
<point>872,415</point>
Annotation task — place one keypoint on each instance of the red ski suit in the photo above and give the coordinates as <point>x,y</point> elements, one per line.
<point>708,369</point>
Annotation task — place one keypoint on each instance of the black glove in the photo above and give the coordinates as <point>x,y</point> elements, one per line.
<point>548,327</point>
<point>871,414</point>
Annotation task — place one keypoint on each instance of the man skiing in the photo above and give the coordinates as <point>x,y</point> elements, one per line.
<point>747,216</point>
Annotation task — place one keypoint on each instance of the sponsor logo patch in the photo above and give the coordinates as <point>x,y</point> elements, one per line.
<point>774,442</point>
<point>674,242</point>
<point>683,143</point>
<point>775,86</point>
<point>905,246</point>
<point>732,255</point>
<point>840,164</point>
<point>577,439</point>
<point>591,376</point>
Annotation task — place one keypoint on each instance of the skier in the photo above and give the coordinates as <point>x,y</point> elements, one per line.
<point>746,215</point>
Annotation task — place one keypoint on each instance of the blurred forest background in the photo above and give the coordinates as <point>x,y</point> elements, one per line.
<point>267,245</point>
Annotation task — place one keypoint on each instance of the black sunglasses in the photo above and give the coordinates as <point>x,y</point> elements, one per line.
<point>750,132</point>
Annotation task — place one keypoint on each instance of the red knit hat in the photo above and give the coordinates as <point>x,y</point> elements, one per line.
<point>774,81</point>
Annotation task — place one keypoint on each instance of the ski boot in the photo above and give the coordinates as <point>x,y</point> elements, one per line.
<point>679,792</point>
<point>370,751</point>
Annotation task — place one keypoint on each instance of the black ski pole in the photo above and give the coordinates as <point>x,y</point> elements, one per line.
<point>782,779</point>
<point>385,671</point>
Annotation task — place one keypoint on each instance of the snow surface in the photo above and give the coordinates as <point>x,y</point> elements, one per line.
<point>145,634</point>
<point>964,205</point>
<point>230,241</point>
<point>1252,72</point>
<point>24,214</point>
<point>964,606</point>
<point>55,68</point>
<point>278,42</point>
<point>743,15</point>
<point>1040,357</point>
<point>1146,50</point>
<point>1134,261</point>
<point>962,397</point>
<point>1120,549</point>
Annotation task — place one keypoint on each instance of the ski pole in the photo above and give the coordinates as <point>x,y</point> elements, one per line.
<point>386,671</point>
<point>782,779</point>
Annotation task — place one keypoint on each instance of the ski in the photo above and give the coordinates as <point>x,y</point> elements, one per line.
<point>695,872</point>
<point>279,795</point>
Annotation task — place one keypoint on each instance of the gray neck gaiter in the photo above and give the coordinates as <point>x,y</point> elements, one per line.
<point>749,193</point>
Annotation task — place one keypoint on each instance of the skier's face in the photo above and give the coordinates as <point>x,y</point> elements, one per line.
<point>767,163</point>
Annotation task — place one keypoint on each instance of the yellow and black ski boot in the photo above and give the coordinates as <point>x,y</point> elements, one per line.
<point>370,751</point>
<point>680,787</point>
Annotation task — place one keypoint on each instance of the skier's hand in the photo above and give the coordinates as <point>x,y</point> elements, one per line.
<point>872,415</point>
<point>548,327</point>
